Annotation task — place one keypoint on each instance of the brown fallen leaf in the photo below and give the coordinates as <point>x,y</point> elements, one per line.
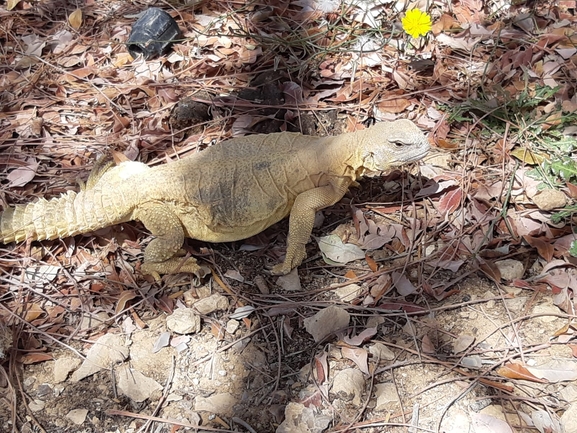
<point>517,371</point>
<point>75,19</point>
<point>394,105</point>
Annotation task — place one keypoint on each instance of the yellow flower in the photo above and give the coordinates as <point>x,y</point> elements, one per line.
<point>417,23</point>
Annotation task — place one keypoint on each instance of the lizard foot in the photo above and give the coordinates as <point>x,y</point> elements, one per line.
<point>294,258</point>
<point>172,266</point>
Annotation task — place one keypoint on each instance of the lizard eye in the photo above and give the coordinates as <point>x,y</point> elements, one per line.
<point>399,142</point>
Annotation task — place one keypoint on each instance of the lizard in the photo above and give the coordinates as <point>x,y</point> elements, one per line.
<point>226,192</point>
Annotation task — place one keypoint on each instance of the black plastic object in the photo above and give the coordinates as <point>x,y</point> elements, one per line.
<point>152,34</point>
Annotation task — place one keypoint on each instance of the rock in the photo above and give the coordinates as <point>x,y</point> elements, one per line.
<point>36,405</point>
<point>301,419</point>
<point>94,321</point>
<point>569,393</point>
<point>382,352</point>
<point>567,421</point>
<point>456,421</point>
<point>220,404</point>
<point>110,349</point>
<point>183,321</point>
<point>326,322</point>
<point>549,199</point>
<point>77,416</point>
<point>290,282</point>
<point>63,367</point>
<point>387,398</point>
<point>135,385</point>
<point>210,304</point>
<point>348,385</point>
<point>232,325</point>
<point>510,269</point>
<point>348,293</point>
<point>549,313</point>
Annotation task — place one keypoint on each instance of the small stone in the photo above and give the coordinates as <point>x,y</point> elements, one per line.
<point>290,282</point>
<point>569,393</point>
<point>348,293</point>
<point>213,303</point>
<point>301,419</point>
<point>387,398</point>
<point>36,405</point>
<point>381,352</point>
<point>547,313</point>
<point>348,385</point>
<point>77,416</point>
<point>516,304</point>
<point>183,321</point>
<point>568,424</point>
<point>135,385</point>
<point>45,392</point>
<point>108,350</point>
<point>232,325</point>
<point>549,199</point>
<point>220,404</point>
<point>510,269</point>
<point>63,367</point>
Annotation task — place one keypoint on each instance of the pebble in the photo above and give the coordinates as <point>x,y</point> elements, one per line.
<point>510,269</point>
<point>77,416</point>
<point>213,303</point>
<point>183,321</point>
<point>348,385</point>
<point>549,199</point>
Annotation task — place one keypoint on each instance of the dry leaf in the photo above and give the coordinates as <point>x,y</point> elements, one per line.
<point>11,4</point>
<point>403,285</point>
<point>394,105</point>
<point>75,19</point>
<point>32,358</point>
<point>358,356</point>
<point>517,371</point>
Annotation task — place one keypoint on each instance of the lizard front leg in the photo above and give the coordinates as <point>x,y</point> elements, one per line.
<point>161,256</point>
<point>302,217</point>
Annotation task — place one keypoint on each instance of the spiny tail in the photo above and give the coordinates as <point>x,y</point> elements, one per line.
<point>68,215</point>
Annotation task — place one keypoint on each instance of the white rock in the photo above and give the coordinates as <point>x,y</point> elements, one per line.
<point>135,385</point>
<point>569,393</point>
<point>63,367</point>
<point>36,405</point>
<point>301,419</point>
<point>568,419</point>
<point>214,302</point>
<point>349,385</point>
<point>110,349</point>
<point>232,325</point>
<point>77,416</point>
<point>510,269</point>
<point>387,397</point>
<point>348,293</point>
<point>326,322</point>
<point>221,404</point>
<point>183,321</point>
<point>549,311</point>
<point>290,282</point>
<point>382,352</point>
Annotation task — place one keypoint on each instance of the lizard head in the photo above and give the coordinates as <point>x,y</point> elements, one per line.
<point>390,144</point>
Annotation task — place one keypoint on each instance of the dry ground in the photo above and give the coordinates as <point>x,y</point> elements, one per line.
<point>460,316</point>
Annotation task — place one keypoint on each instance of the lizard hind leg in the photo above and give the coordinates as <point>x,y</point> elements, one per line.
<point>101,166</point>
<point>162,255</point>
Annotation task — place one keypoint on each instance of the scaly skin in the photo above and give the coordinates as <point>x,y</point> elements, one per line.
<point>227,192</point>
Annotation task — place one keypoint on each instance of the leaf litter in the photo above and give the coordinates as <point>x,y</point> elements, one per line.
<point>494,83</point>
